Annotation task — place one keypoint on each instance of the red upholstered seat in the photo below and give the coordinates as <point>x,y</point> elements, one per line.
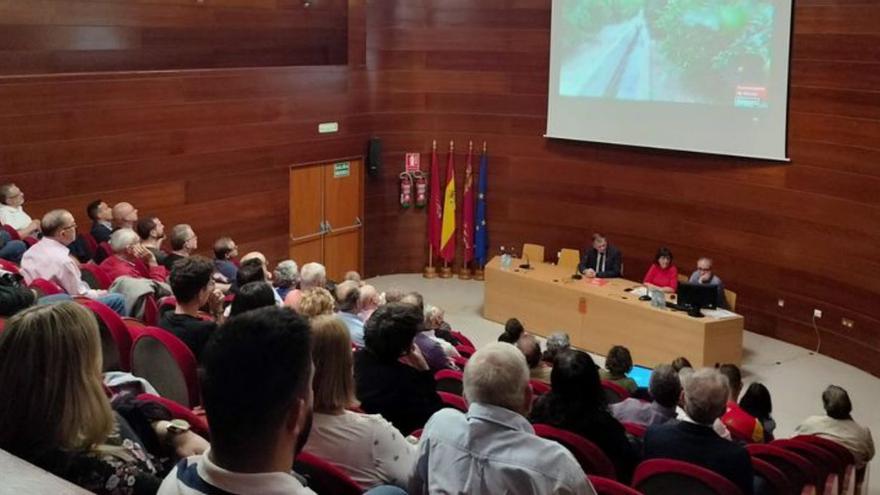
<point>666,476</point>
<point>614,393</point>
<point>800,472</point>
<point>114,328</point>
<point>830,467</point>
<point>9,266</point>
<point>167,363</point>
<point>460,361</point>
<point>539,387</point>
<point>774,478</point>
<point>605,486</point>
<point>634,429</point>
<point>324,477</point>
<point>453,401</point>
<point>589,456</point>
<point>460,337</point>
<point>90,242</point>
<point>197,422</point>
<point>13,234</point>
<point>449,381</point>
<point>46,287</point>
<point>166,302</point>
<point>465,350</point>
<point>95,276</point>
<point>840,452</point>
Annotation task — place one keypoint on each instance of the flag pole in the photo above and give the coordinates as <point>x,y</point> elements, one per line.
<point>467,208</point>
<point>430,271</point>
<point>479,273</point>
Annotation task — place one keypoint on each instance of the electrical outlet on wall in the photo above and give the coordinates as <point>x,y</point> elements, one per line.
<point>781,303</point>
<point>817,313</point>
<point>847,322</point>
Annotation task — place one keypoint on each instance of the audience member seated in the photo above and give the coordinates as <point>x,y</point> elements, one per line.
<point>348,298</point>
<point>316,301</point>
<point>680,414</point>
<point>152,233</point>
<point>50,259</point>
<point>130,259</point>
<point>617,364</point>
<point>251,296</point>
<point>704,275</point>
<point>492,448</point>
<point>665,389</point>
<point>425,340</point>
<point>680,363</point>
<point>184,243</point>
<point>12,213</point>
<point>513,330</point>
<point>370,300</point>
<point>662,274</point>
<point>353,276</point>
<point>125,216</point>
<point>434,328</point>
<point>256,269</point>
<point>14,299</point>
<point>576,403</point>
<point>286,277</point>
<point>392,378</point>
<point>756,402</point>
<point>602,260</point>
<point>11,249</point>
<point>193,288</point>
<point>742,425</point>
<point>256,384</point>
<point>693,440</point>
<point>838,425</point>
<point>556,342</point>
<point>395,294</point>
<point>63,421</point>
<point>225,251</point>
<point>311,275</point>
<point>366,446</point>
<point>531,349</point>
<point>101,216</point>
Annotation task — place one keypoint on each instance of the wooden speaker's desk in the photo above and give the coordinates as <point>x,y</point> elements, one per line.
<point>546,299</point>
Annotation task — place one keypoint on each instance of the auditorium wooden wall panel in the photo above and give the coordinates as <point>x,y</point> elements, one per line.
<point>806,231</point>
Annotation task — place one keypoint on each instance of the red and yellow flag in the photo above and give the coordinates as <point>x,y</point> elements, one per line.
<point>435,204</point>
<point>447,234</point>
<point>467,207</point>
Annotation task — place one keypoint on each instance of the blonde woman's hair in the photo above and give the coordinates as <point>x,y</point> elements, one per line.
<point>315,302</point>
<point>333,383</point>
<point>50,374</point>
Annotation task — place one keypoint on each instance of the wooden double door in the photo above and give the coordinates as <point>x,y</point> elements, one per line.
<point>326,208</point>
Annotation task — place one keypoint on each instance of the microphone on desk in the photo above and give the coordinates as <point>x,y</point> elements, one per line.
<point>526,265</point>
<point>647,296</point>
<point>577,275</point>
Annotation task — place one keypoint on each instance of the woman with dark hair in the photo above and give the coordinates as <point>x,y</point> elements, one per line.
<point>392,377</point>
<point>576,403</point>
<point>618,363</point>
<point>513,330</point>
<point>662,274</point>
<point>252,295</point>
<point>756,401</point>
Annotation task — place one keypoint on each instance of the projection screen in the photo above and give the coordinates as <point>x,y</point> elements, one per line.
<point>707,76</point>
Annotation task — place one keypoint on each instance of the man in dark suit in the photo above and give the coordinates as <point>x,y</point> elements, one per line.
<point>602,260</point>
<point>101,216</point>
<point>693,440</point>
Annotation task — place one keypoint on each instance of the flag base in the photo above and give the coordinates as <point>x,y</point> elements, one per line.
<point>479,274</point>
<point>446,272</point>
<point>430,272</point>
<point>464,273</point>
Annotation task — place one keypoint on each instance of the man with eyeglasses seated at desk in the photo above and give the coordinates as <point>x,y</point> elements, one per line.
<point>704,275</point>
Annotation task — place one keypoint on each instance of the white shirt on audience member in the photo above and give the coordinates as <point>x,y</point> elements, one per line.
<point>14,216</point>
<point>366,446</point>
<point>492,450</point>
<point>50,260</point>
<point>197,475</point>
<point>855,437</point>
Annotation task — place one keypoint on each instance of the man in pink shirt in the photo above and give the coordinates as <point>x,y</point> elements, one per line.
<point>50,259</point>
<point>131,259</point>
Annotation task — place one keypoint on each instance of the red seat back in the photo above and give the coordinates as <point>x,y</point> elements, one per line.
<point>151,310</point>
<point>13,234</point>
<point>167,363</point>
<point>605,486</point>
<point>167,302</point>
<point>46,287</point>
<point>589,456</point>
<point>465,350</point>
<point>539,387</point>
<point>9,266</point>
<point>459,361</point>
<point>634,429</point>
<point>830,445</point>
<point>827,464</point>
<point>462,339</point>
<point>799,471</point>
<point>98,274</point>
<point>325,478</point>
<point>666,476</point>
<point>449,381</point>
<point>453,401</point>
<point>198,422</point>
<point>90,242</point>
<point>116,330</point>
<point>774,478</point>
<point>614,393</point>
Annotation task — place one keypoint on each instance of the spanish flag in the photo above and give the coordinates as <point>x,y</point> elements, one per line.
<point>447,235</point>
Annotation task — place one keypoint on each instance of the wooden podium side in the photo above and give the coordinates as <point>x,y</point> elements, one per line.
<point>547,300</point>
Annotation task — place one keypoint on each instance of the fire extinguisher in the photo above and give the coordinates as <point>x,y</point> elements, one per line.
<point>406,189</point>
<point>421,189</point>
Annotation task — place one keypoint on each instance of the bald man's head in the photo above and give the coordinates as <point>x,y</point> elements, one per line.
<point>125,216</point>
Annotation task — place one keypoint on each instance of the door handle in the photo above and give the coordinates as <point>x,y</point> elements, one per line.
<point>357,221</point>
<point>329,227</point>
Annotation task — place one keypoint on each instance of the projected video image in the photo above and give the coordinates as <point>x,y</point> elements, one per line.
<point>689,51</point>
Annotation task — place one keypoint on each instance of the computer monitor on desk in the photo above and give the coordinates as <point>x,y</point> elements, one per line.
<point>695,297</point>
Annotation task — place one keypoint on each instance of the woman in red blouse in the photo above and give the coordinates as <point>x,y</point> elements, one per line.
<point>663,274</point>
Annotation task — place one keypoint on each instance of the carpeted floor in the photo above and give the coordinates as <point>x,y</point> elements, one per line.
<point>795,376</point>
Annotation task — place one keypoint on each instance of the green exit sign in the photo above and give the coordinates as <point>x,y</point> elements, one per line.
<point>341,169</point>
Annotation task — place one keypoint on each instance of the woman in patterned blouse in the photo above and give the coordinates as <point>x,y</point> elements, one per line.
<point>55,412</point>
